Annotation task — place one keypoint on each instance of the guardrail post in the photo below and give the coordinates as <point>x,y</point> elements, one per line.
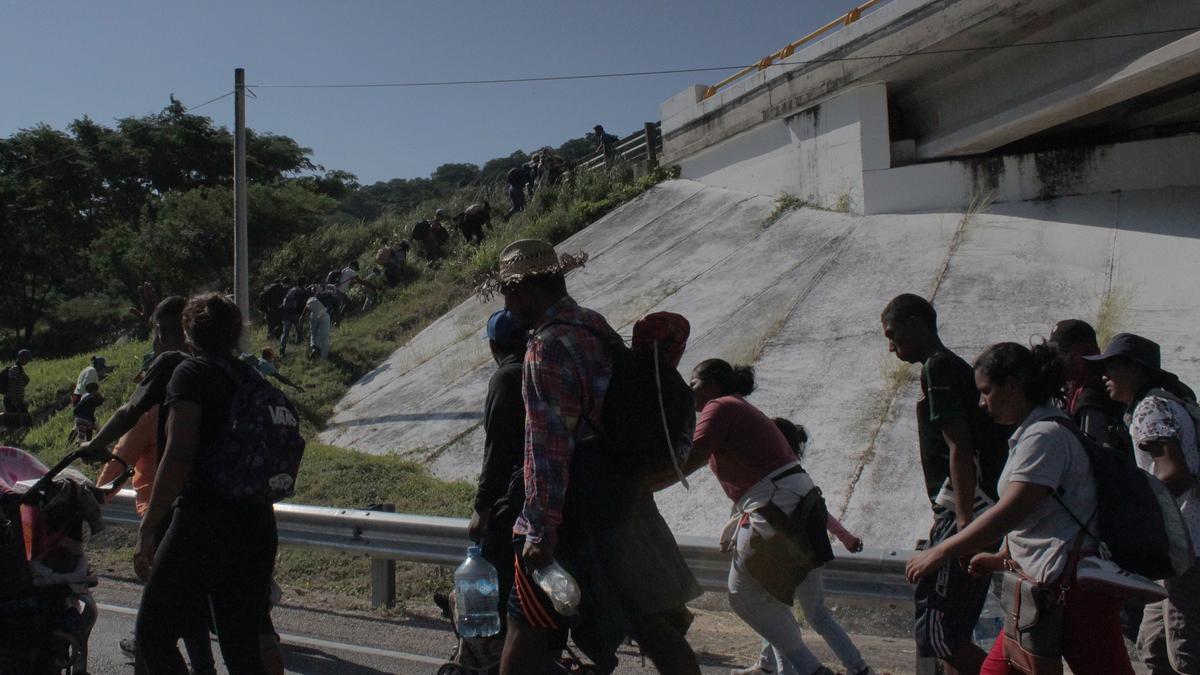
<point>651,153</point>
<point>383,571</point>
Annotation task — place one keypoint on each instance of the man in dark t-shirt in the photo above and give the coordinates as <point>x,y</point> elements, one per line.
<point>169,347</point>
<point>962,455</point>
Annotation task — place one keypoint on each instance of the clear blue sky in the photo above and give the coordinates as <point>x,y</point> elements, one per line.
<point>112,59</point>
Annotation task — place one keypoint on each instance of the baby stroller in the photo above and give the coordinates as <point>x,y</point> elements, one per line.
<point>481,655</point>
<point>46,607</point>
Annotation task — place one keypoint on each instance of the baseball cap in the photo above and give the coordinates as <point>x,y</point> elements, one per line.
<point>502,328</point>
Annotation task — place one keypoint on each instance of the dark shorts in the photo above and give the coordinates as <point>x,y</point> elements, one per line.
<point>527,603</point>
<point>948,602</point>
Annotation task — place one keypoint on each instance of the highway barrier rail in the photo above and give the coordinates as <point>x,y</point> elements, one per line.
<point>641,147</point>
<point>774,57</point>
<point>872,577</point>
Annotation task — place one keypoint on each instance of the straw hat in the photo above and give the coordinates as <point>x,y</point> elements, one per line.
<point>523,259</point>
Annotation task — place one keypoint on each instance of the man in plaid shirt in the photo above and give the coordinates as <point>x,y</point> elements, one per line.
<point>600,524</point>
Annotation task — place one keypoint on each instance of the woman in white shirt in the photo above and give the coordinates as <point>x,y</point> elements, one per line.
<point>1164,438</point>
<point>1046,459</point>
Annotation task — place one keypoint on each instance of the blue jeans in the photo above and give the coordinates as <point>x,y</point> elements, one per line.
<point>811,595</point>
<point>290,323</point>
<point>318,333</point>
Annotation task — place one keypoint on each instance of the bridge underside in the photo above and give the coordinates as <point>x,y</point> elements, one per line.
<point>939,81</point>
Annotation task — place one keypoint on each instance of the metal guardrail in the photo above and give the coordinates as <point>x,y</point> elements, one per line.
<point>640,146</point>
<point>873,577</point>
<point>768,60</point>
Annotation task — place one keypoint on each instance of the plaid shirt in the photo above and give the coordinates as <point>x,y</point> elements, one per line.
<point>567,370</point>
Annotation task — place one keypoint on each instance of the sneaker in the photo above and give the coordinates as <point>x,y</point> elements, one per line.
<point>128,645</point>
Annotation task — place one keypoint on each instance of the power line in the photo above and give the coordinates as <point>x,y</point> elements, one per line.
<point>678,71</point>
<point>75,153</point>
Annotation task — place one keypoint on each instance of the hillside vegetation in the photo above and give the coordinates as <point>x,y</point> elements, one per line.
<point>335,476</point>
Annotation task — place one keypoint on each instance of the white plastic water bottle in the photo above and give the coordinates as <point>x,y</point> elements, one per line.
<point>476,596</point>
<point>560,587</point>
<point>990,624</point>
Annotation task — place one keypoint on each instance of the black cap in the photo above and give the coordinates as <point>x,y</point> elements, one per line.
<point>1133,347</point>
<point>1072,332</point>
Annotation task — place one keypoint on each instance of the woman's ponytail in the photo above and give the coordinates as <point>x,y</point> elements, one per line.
<point>729,379</point>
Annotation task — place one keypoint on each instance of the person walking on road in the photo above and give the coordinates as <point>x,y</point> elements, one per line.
<point>580,509</point>
<point>811,592</point>
<point>758,471</point>
<point>140,411</point>
<point>1046,492</point>
<point>218,555</point>
<point>962,453</point>
<point>501,490</point>
<point>1164,433</point>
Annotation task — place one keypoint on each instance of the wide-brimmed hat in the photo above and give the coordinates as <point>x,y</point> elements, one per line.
<point>1133,347</point>
<point>523,259</point>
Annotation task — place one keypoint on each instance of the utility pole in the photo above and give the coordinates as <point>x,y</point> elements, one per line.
<point>241,247</point>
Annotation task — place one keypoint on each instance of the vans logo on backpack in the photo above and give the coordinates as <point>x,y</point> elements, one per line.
<point>281,415</point>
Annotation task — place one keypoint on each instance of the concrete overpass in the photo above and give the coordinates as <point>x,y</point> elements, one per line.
<point>921,104</point>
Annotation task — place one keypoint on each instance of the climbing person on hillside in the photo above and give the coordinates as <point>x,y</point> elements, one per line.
<point>501,491</point>
<point>319,324</point>
<point>290,310</point>
<point>85,412</point>
<point>515,183</point>
<point>1087,402</point>
<point>1163,429</point>
<point>265,364</point>
<point>580,509</point>
<point>1046,491</point>
<point>96,371</point>
<point>606,144</point>
<point>811,591</point>
<point>962,453</point>
<point>270,303</point>
<point>218,555</point>
<point>759,472</point>
<point>171,349</point>
<point>15,382</point>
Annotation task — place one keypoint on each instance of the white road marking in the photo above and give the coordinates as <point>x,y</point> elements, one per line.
<point>316,642</point>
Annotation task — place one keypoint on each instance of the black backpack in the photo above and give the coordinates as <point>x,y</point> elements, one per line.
<point>420,230</point>
<point>294,300</point>
<point>256,456</point>
<point>1138,522</point>
<point>649,412</point>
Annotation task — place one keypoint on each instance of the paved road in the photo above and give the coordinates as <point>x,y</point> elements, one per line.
<point>316,641</point>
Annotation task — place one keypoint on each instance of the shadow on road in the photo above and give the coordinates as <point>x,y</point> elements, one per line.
<point>314,661</point>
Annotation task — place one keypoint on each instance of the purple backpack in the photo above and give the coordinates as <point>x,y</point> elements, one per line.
<point>256,456</point>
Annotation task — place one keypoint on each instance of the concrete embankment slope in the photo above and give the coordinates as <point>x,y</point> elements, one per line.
<point>799,295</point>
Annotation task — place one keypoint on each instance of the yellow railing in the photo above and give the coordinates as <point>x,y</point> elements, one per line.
<point>766,61</point>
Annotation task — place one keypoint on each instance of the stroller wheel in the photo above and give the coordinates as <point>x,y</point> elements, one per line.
<point>451,669</point>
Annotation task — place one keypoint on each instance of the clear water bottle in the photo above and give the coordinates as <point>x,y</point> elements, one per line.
<point>476,596</point>
<point>560,587</point>
<point>990,624</point>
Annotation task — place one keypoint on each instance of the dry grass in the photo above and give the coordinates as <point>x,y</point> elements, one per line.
<point>1113,314</point>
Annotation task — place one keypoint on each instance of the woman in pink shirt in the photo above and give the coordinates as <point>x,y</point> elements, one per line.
<point>756,467</point>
